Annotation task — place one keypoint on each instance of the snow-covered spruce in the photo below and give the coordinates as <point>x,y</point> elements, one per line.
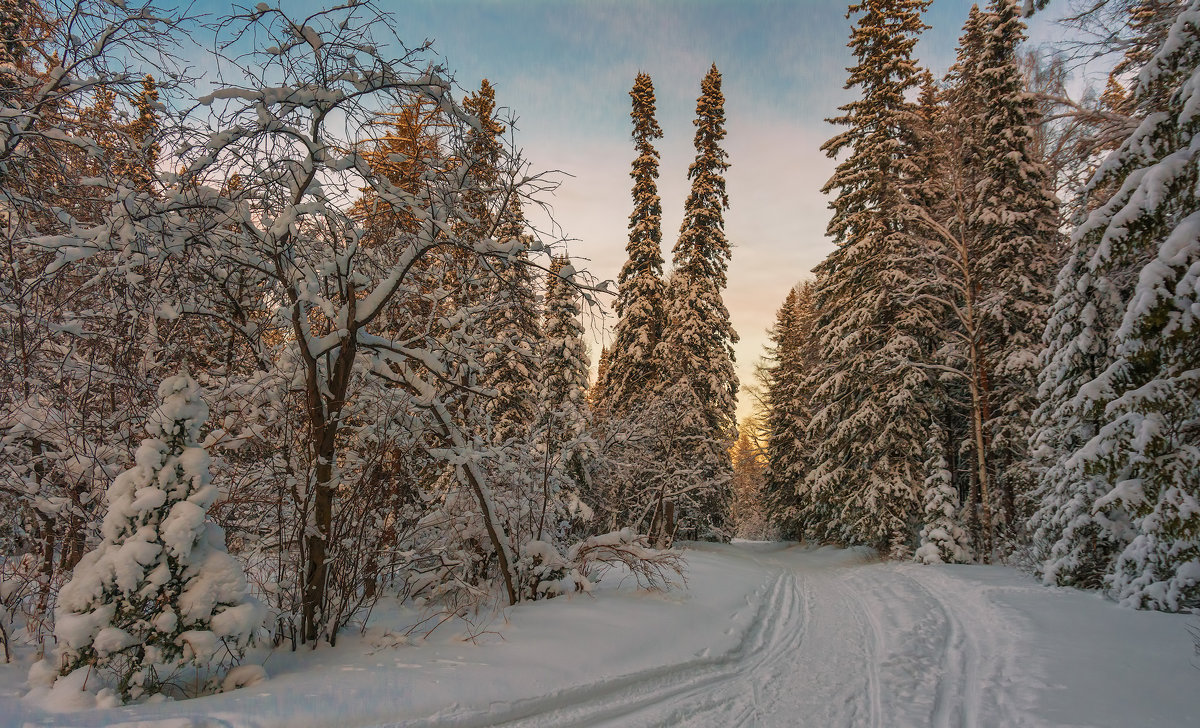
<point>975,284</point>
<point>1146,447</point>
<point>1071,546</point>
<point>1125,384</point>
<point>943,540</point>
<point>565,376</point>
<point>511,362</point>
<point>633,369</point>
<point>1015,216</point>
<point>788,413</point>
<point>696,349</point>
<point>160,594</point>
<point>869,411</point>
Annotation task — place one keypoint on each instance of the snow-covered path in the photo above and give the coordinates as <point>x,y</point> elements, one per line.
<point>829,645</point>
<point>765,635</point>
<point>839,641</point>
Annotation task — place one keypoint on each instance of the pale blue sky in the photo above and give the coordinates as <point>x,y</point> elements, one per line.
<point>565,68</point>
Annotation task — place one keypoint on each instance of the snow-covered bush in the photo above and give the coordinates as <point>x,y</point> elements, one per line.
<point>160,594</point>
<point>587,561</point>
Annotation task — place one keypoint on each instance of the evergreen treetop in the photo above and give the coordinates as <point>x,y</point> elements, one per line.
<point>700,384</point>
<point>633,369</point>
<point>645,222</point>
<point>702,249</point>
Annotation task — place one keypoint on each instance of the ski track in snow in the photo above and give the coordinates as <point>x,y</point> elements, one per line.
<point>868,645</point>
<point>627,699</point>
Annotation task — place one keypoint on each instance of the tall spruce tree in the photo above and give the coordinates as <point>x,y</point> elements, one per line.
<point>633,370</point>
<point>1016,218</point>
<point>697,345</point>
<point>565,372</point>
<point>511,362</point>
<point>869,421</point>
<point>787,410</point>
<point>942,282</point>
<point>1124,383</point>
<point>951,150</point>
<point>984,208</point>
<point>503,284</point>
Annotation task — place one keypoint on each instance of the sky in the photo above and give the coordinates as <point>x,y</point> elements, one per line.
<point>564,69</point>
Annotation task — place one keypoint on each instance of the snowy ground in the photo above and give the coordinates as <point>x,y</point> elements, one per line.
<point>765,635</point>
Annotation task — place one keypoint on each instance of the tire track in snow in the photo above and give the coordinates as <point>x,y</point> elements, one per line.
<point>719,697</point>
<point>791,623</point>
<point>818,683</point>
<point>779,633</point>
<point>610,700</point>
<point>983,616</point>
<point>922,659</point>
<point>960,666</point>
<point>947,630</point>
<point>874,639</point>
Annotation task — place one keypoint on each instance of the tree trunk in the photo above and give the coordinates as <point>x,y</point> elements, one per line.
<point>668,523</point>
<point>981,475</point>
<point>325,413</point>
<point>979,391</point>
<point>316,538</point>
<point>658,531</point>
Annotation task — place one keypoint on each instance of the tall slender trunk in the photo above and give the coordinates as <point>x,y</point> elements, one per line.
<point>979,417</point>
<point>981,472</point>
<point>979,383</point>
<point>325,411</point>
<point>316,538</point>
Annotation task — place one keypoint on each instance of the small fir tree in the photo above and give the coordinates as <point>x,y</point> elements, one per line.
<point>943,540</point>
<point>160,593</point>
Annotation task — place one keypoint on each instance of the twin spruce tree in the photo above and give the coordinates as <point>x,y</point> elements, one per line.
<point>669,375</point>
